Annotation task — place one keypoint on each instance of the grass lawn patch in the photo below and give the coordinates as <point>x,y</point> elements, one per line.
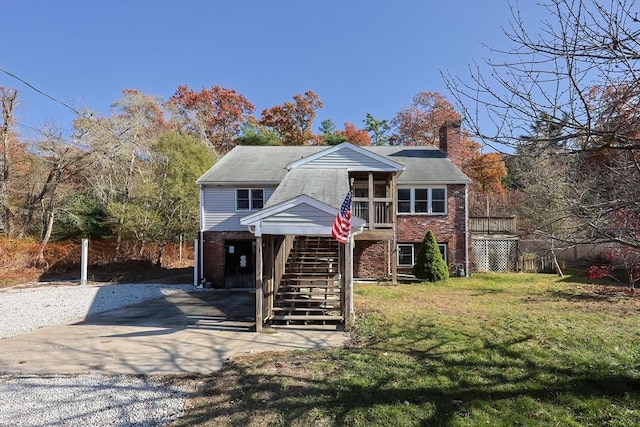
<point>495,349</point>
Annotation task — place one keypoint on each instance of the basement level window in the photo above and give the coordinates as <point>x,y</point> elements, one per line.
<point>249,199</point>
<point>407,253</point>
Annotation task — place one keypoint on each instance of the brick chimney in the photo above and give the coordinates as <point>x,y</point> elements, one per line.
<point>450,141</point>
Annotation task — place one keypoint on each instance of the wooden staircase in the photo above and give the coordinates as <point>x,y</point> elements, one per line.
<point>309,292</point>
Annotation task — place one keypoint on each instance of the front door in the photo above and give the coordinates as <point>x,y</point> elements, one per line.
<point>239,264</point>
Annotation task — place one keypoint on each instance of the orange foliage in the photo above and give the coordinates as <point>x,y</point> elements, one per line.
<point>355,136</point>
<point>419,123</point>
<point>618,115</point>
<point>220,112</point>
<point>488,170</point>
<point>293,121</point>
<point>18,257</point>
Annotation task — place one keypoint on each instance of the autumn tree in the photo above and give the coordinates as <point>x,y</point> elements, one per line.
<point>293,121</point>
<point>580,73</point>
<point>419,123</point>
<point>215,114</point>
<point>488,171</point>
<point>354,135</point>
<point>120,144</point>
<point>57,174</point>
<point>330,135</point>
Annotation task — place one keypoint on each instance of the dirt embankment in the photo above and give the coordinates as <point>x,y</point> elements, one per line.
<point>133,262</point>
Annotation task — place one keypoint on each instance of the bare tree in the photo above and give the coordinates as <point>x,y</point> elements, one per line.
<point>583,46</point>
<point>8,99</point>
<point>580,71</point>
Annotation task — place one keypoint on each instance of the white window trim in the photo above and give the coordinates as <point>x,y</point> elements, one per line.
<point>251,208</point>
<point>445,252</point>
<point>412,201</point>
<point>413,253</point>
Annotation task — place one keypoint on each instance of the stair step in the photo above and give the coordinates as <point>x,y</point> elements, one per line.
<point>316,302</point>
<point>310,281</point>
<point>311,274</point>
<point>296,286</point>
<point>330,311</point>
<point>304,317</point>
<point>307,295</point>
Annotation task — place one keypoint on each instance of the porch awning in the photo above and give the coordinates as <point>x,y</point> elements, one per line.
<point>305,203</point>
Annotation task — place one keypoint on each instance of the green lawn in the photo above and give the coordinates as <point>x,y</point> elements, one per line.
<point>512,349</point>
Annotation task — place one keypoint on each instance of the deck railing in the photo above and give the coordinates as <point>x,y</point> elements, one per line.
<point>493,225</point>
<point>382,212</point>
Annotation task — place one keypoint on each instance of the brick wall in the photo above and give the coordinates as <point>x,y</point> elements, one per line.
<point>213,253</point>
<point>370,259</point>
<point>449,229</point>
<point>450,140</point>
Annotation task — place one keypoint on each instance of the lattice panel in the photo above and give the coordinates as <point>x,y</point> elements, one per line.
<point>497,255</point>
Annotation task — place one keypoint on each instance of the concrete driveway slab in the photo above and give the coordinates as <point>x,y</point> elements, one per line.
<point>182,333</point>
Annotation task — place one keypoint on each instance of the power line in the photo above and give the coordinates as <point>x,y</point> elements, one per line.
<point>42,93</point>
<point>90,116</point>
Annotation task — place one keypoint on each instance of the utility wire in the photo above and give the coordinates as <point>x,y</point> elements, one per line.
<point>117,135</point>
<point>42,93</point>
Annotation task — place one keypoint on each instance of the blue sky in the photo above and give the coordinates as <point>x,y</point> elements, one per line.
<point>359,56</point>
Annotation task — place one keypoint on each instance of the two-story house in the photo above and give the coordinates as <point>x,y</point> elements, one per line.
<point>266,215</point>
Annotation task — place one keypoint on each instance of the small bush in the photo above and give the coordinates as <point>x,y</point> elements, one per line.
<point>429,263</point>
<point>599,271</point>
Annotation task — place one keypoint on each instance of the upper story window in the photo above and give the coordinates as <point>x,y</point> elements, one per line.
<point>422,201</point>
<point>249,199</point>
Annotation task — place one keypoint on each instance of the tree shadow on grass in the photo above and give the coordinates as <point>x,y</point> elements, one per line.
<point>435,386</point>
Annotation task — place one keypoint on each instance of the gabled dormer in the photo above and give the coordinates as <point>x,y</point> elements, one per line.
<point>372,177</point>
<point>350,157</point>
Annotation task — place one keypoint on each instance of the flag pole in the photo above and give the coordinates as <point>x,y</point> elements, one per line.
<point>349,254</point>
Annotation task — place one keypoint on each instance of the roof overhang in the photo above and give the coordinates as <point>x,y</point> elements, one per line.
<point>386,164</point>
<point>266,221</point>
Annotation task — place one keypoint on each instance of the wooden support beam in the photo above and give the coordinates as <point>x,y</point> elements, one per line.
<point>394,243</point>
<point>372,206</point>
<point>348,285</point>
<point>259,289</point>
<point>270,264</point>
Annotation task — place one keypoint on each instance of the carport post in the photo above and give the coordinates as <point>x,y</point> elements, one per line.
<point>259,291</point>
<point>83,262</point>
<point>196,255</point>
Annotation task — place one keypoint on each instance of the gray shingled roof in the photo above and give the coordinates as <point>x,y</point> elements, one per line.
<point>261,165</point>
<point>423,165</point>
<point>335,185</point>
<point>256,164</point>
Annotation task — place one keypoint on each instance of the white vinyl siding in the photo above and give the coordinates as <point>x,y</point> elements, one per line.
<point>218,209</point>
<point>302,214</point>
<point>347,159</point>
<point>249,199</point>
<point>422,201</point>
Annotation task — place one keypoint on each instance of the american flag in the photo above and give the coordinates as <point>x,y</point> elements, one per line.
<point>342,224</point>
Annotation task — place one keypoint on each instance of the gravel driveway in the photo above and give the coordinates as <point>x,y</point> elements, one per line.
<point>80,400</point>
